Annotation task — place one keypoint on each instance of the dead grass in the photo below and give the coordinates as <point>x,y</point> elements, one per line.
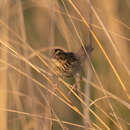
<point>31,97</point>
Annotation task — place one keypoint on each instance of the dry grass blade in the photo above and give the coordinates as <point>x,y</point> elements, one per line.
<point>69,104</point>
<point>127,105</point>
<point>38,116</point>
<point>33,95</point>
<point>102,49</point>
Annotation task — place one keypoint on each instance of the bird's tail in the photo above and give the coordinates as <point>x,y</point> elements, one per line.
<point>88,49</point>
<point>85,51</point>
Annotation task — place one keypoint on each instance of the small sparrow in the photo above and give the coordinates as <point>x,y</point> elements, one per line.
<point>69,64</point>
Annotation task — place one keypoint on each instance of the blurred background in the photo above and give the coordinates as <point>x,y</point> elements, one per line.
<point>31,96</point>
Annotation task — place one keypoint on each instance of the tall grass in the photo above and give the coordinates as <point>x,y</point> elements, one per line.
<point>32,96</point>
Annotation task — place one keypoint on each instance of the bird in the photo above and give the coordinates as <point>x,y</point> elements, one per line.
<point>69,64</point>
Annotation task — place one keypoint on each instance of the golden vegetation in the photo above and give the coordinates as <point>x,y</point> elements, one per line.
<point>31,95</point>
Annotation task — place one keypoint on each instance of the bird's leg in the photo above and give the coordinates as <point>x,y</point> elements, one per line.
<point>76,86</point>
<point>55,78</point>
<point>77,81</point>
<point>57,83</point>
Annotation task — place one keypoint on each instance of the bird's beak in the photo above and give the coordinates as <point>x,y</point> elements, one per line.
<point>52,53</point>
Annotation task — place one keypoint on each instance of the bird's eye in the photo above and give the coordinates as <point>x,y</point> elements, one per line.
<point>62,56</point>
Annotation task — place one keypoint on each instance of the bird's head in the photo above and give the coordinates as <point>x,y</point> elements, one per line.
<point>58,54</point>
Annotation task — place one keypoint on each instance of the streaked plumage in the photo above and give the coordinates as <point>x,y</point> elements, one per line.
<point>68,64</point>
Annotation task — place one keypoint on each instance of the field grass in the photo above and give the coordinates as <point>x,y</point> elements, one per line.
<point>32,96</point>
